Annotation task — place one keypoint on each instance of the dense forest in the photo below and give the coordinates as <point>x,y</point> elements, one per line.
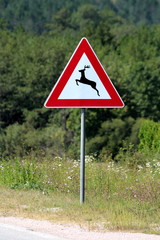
<point>37,38</point>
<point>34,15</point>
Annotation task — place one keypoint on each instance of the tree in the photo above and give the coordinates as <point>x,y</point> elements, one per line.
<point>86,17</point>
<point>29,67</point>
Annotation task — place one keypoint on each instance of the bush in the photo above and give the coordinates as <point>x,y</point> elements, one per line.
<point>12,140</point>
<point>20,140</point>
<point>149,136</point>
<point>110,137</point>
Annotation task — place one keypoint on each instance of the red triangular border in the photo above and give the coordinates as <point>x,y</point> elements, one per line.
<point>53,101</point>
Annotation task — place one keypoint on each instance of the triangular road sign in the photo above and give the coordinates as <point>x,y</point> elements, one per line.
<point>84,83</point>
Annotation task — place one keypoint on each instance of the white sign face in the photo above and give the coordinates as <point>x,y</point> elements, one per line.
<point>87,90</point>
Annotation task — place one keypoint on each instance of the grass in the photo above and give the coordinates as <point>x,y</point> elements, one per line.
<point>117,197</point>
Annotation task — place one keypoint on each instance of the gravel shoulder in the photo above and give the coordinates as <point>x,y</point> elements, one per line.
<point>73,232</point>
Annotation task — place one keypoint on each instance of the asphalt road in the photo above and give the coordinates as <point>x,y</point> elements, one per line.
<point>9,232</point>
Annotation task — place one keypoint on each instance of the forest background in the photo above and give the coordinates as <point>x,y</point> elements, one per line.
<point>37,38</point>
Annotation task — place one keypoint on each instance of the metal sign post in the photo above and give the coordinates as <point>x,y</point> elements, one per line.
<point>70,91</point>
<point>82,157</point>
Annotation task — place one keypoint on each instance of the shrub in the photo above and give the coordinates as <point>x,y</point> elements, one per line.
<point>20,140</point>
<point>149,136</point>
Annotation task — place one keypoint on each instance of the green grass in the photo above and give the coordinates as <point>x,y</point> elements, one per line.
<point>118,197</point>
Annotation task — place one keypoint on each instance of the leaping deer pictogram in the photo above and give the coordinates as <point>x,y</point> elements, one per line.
<point>84,80</point>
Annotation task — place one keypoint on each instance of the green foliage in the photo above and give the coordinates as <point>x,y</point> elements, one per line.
<point>34,15</point>
<point>140,12</point>
<point>27,65</point>
<point>133,138</point>
<point>149,136</point>
<point>110,180</point>
<point>19,140</point>
<point>110,137</point>
<point>135,71</point>
<point>143,144</point>
<point>86,17</point>
<point>20,174</point>
<point>30,64</point>
<point>12,141</point>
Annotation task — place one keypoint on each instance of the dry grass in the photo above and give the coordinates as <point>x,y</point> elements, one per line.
<point>59,208</point>
<point>31,204</point>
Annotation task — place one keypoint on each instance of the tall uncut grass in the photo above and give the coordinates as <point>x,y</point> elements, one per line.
<point>117,195</point>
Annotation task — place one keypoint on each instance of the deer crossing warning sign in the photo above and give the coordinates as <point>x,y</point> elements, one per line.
<point>84,83</point>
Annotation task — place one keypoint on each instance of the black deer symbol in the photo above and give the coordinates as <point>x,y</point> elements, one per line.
<point>84,80</point>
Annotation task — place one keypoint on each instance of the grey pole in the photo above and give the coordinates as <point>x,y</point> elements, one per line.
<point>82,163</point>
